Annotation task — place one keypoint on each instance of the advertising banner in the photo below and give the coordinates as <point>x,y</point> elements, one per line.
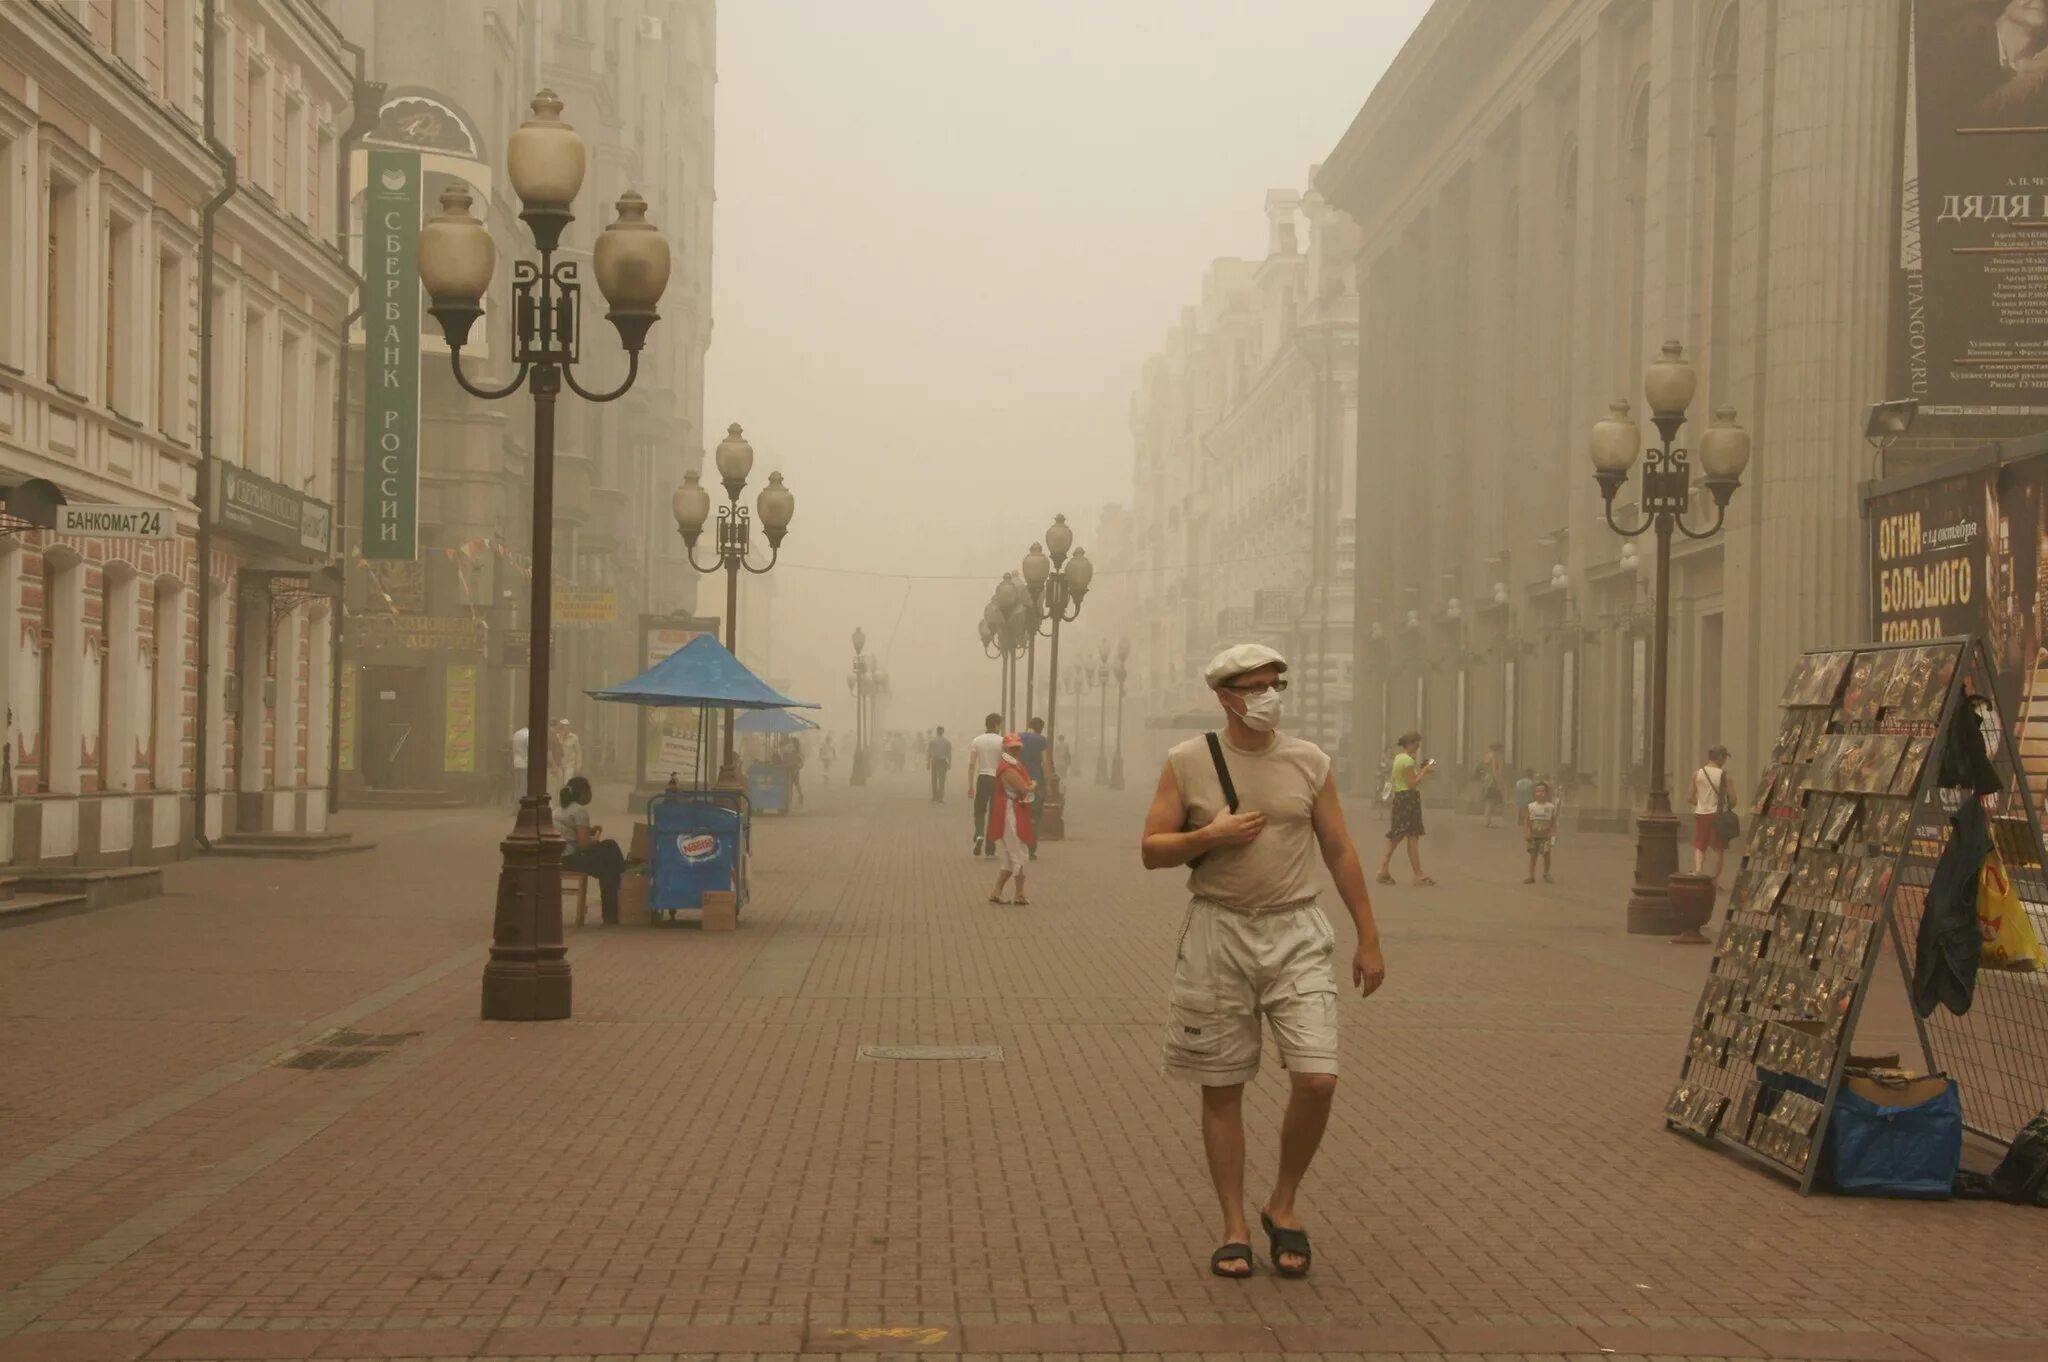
<point>270,512</point>
<point>1973,331</point>
<point>1961,555</point>
<point>115,522</point>
<point>458,728</point>
<point>581,605</point>
<point>391,356</point>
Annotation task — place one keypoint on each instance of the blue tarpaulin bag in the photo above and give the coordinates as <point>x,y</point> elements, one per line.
<point>1895,1140</point>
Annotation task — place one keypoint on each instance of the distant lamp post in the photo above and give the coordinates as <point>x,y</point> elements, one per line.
<point>1060,586</point>
<point>857,687</point>
<point>1666,497</point>
<point>692,507</point>
<point>1116,765</point>
<point>1007,624</point>
<point>1035,571</point>
<point>527,976</point>
<point>1099,673</point>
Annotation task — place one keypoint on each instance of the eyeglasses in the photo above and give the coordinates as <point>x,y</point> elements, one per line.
<point>1275,686</point>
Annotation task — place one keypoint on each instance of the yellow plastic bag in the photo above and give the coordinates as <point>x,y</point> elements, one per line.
<point>2010,941</point>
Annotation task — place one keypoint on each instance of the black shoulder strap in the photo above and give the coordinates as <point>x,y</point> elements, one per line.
<point>1222,771</point>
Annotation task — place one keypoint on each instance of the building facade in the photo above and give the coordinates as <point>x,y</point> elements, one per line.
<point>168,308</point>
<point>1546,192</point>
<point>1242,432</point>
<point>434,676</point>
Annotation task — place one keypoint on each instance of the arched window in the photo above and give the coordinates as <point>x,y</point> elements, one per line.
<point>1717,200</point>
<point>120,644</point>
<point>1635,207</point>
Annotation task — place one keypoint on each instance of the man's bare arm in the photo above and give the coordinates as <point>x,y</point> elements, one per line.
<point>1368,966</point>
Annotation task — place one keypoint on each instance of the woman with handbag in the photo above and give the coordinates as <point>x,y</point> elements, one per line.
<point>1714,821</point>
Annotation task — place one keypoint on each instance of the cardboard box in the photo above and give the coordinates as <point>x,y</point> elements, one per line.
<point>641,847</point>
<point>721,912</point>
<point>633,901</point>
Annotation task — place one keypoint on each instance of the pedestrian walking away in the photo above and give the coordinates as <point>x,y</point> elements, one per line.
<point>1714,820</point>
<point>1492,777</point>
<point>520,748</point>
<point>984,757</point>
<point>1035,755</point>
<point>1245,810</point>
<point>1404,808</point>
<point>1009,819</point>
<point>938,754</point>
<point>1540,819</point>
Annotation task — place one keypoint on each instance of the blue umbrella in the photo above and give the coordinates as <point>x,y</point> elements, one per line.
<point>772,721</point>
<point>703,674</point>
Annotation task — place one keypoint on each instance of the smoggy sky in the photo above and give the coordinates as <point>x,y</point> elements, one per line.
<point>948,234</point>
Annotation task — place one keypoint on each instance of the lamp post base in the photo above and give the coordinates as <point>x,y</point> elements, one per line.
<point>1116,772</point>
<point>1052,819</point>
<point>527,976</point>
<point>730,777</point>
<point>1650,911</point>
<point>860,769</point>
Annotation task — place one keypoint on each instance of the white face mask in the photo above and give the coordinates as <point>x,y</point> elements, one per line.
<point>1262,711</point>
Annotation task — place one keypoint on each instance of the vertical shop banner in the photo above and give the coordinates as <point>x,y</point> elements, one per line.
<point>458,724</point>
<point>391,356</point>
<point>1972,328</point>
<point>345,718</point>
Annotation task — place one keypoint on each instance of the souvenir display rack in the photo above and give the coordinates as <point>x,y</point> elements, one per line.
<point>1849,822</point>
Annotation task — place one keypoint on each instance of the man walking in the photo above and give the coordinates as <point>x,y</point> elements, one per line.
<point>938,754</point>
<point>519,750</point>
<point>984,756</point>
<point>1244,810</point>
<point>1033,753</point>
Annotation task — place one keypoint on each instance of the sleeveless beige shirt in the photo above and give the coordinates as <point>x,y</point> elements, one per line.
<point>1282,782</point>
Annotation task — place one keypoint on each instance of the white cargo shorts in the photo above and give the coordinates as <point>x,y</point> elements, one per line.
<point>1236,968</point>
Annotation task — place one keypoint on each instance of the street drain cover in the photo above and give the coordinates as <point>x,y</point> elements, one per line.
<point>344,1050</point>
<point>931,1052</point>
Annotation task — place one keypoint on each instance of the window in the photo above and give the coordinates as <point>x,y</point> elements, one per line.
<point>124,35</point>
<point>319,459</point>
<point>167,724</point>
<point>294,157</point>
<point>319,195</point>
<point>170,345</point>
<point>225,86</point>
<point>219,394</point>
<point>319,679</point>
<point>11,238</point>
<point>255,445</point>
<point>261,162</point>
<point>121,391</point>
<point>123,594</point>
<point>177,65</point>
<point>291,418</point>
<point>65,685</point>
<point>61,284</point>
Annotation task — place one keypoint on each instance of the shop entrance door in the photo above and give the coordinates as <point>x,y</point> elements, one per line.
<point>396,730</point>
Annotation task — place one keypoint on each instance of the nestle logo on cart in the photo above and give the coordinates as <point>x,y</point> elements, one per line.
<point>700,846</point>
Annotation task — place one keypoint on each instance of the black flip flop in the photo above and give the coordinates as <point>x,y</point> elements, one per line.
<point>1293,1242</point>
<point>1233,1253</point>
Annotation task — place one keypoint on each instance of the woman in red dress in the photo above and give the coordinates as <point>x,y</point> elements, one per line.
<point>1009,818</point>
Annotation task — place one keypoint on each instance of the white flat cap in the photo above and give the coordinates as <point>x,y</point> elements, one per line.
<point>1238,659</point>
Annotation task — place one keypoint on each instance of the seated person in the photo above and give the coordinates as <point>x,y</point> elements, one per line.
<point>600,859</point>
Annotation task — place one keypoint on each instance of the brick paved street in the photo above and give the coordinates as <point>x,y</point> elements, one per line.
<point>700,1162</point>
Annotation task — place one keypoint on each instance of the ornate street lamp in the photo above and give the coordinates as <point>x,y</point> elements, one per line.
<point>692,507</point>
<point>857,687</point>
<point>527,976</point>
<point>1116,766</point>
<point>1667,490</point>
<point>1057,576</point>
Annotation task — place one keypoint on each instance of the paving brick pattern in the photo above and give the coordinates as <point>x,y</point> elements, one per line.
<point>700,1163</point>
